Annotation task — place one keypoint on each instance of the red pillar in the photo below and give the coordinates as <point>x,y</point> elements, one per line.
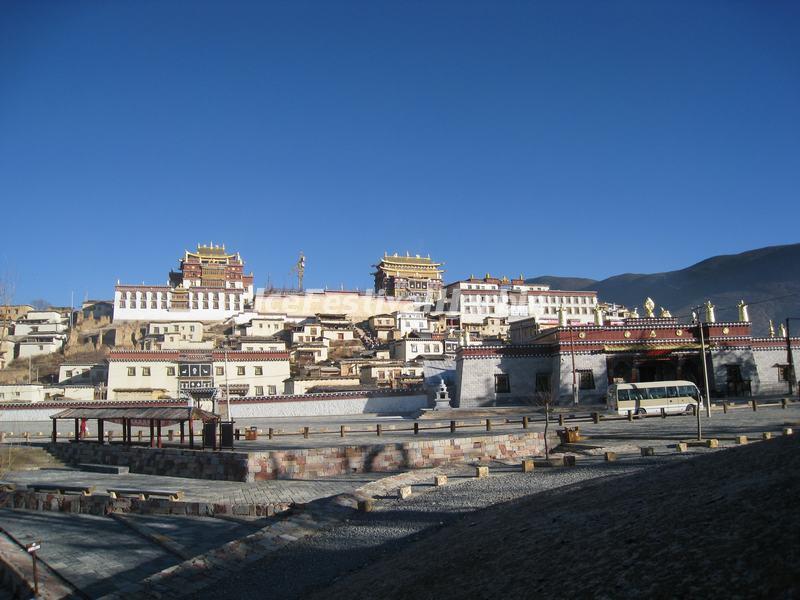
<point>130,432</point>
<point>152,433</point>
<point>54,437</point>
<point>77,430</point>
<point>183,436</point>
<point>191,433</point>
<point>100,430</point>
<point>158,444</point>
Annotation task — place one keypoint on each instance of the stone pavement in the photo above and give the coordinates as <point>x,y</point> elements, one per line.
<point>95,554</point>
<point>228,492</point>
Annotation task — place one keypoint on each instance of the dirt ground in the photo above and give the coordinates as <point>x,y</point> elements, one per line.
<point>719,525</point>
<point>18,458</point>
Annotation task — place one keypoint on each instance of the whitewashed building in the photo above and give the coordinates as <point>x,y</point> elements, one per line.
<point>210,285</point>
<point>135,375</point>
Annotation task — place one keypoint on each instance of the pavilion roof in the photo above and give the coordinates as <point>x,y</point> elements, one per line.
<point>137,414</point>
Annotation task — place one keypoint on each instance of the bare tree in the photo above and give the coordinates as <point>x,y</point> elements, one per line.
<point>544,398</point>
<point>6,301</point>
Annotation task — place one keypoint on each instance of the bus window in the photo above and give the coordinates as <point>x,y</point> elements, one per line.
<point>672,392</point>
<point>623,395</point>
<point>658,392</point>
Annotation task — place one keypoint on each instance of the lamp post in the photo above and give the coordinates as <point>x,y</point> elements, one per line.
<point>789,357</point>
<point>703,358</point>
<point>575,398</point>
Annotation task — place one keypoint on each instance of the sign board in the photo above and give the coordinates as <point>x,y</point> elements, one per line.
<point>195,384</point>
<point>194,370</point>
<point>31,548</point>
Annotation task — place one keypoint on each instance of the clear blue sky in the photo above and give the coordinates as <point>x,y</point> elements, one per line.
<point>570,138</point>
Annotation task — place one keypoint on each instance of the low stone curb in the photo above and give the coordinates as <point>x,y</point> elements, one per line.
<point>103,504</point>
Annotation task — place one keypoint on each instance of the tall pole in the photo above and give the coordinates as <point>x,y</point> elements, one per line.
<point>705,369</point>
<point>574,376</point>
<point>227,387</point>
<point>789,357</point>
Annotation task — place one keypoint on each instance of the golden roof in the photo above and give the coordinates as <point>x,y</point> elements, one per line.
<point>212,252</point>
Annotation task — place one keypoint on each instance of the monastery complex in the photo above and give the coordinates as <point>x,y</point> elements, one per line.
<point>209,334</point>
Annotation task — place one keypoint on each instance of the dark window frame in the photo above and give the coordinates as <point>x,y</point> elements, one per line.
<point>502,383</point>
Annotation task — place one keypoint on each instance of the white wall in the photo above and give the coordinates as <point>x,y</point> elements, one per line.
<point>315,405</point>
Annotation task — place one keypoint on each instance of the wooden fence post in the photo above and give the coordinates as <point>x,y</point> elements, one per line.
<point>524,422</point>
<point>561,420</point>
<point>488,424</point>
<point>755,405</point>
<point>416,428</point>
<point>378,429</point>
<point>452,426</point>
<point>270,433</point>
<point>305,432</point>
<point>341,430</point>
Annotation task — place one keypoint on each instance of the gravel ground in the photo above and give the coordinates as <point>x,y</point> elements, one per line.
<point>312,564</point>
<point>723,525</point>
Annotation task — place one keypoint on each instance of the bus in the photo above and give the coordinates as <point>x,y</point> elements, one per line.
<point>651,397</point>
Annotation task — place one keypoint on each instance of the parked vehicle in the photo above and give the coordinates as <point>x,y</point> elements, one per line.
<point>651,397</point>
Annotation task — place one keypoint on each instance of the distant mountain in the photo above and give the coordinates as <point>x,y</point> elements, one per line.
<point>564,283</point>
<point>768,279</point>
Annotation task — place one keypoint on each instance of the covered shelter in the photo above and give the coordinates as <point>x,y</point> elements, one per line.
<point>140,416</point>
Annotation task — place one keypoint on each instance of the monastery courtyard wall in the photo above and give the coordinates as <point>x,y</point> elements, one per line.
<point>306,462</point>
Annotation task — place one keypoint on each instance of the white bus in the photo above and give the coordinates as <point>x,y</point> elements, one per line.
<point>651,397</point>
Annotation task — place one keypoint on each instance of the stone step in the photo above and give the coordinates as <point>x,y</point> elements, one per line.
<point>113,469</point>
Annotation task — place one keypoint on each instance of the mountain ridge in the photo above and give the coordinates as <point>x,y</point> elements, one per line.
<point>767,279</point>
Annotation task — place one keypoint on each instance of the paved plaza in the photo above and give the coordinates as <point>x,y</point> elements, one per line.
<point>103,555</point>
<point>202,490</point>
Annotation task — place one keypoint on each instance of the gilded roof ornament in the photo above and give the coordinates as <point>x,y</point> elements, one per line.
<point>649,307</point>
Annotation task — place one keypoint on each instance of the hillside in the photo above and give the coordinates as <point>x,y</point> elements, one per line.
<point>761,277</point>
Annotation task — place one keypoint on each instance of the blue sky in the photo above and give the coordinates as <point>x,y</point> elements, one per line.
<point>568,138</point>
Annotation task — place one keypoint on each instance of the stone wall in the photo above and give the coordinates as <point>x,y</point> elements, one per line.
<point>324,462</point>
<point>304,463</point>
<point>767,361</point>
<point>329,404</point>
<point>476,379</point>
<point>175,462</point>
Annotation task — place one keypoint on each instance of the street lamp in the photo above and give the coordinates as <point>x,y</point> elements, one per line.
<point>703,360</point>
<point>575,392</point>
<point>790,359</point>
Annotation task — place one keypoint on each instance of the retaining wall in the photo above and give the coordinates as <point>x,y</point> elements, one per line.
<point>324,462</point>
<point>304,463</point>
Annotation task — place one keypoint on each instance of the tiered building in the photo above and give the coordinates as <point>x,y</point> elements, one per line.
<point>417,278</point>
<point>210,285</point>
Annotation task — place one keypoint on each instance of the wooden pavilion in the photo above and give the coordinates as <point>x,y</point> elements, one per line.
<point>139,416</point>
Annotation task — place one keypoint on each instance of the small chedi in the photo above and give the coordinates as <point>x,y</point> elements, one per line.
<point>442,397</point>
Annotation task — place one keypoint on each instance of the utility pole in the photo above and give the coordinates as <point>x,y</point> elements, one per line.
<point>574,374</point>
<point>227,386</point>
<point>790,376</point>
<point>705,370</point>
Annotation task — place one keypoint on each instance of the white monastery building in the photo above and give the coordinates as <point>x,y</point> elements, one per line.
<point>210,285</point>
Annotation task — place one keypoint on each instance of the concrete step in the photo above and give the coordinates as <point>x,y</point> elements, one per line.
<point>95,468</point>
